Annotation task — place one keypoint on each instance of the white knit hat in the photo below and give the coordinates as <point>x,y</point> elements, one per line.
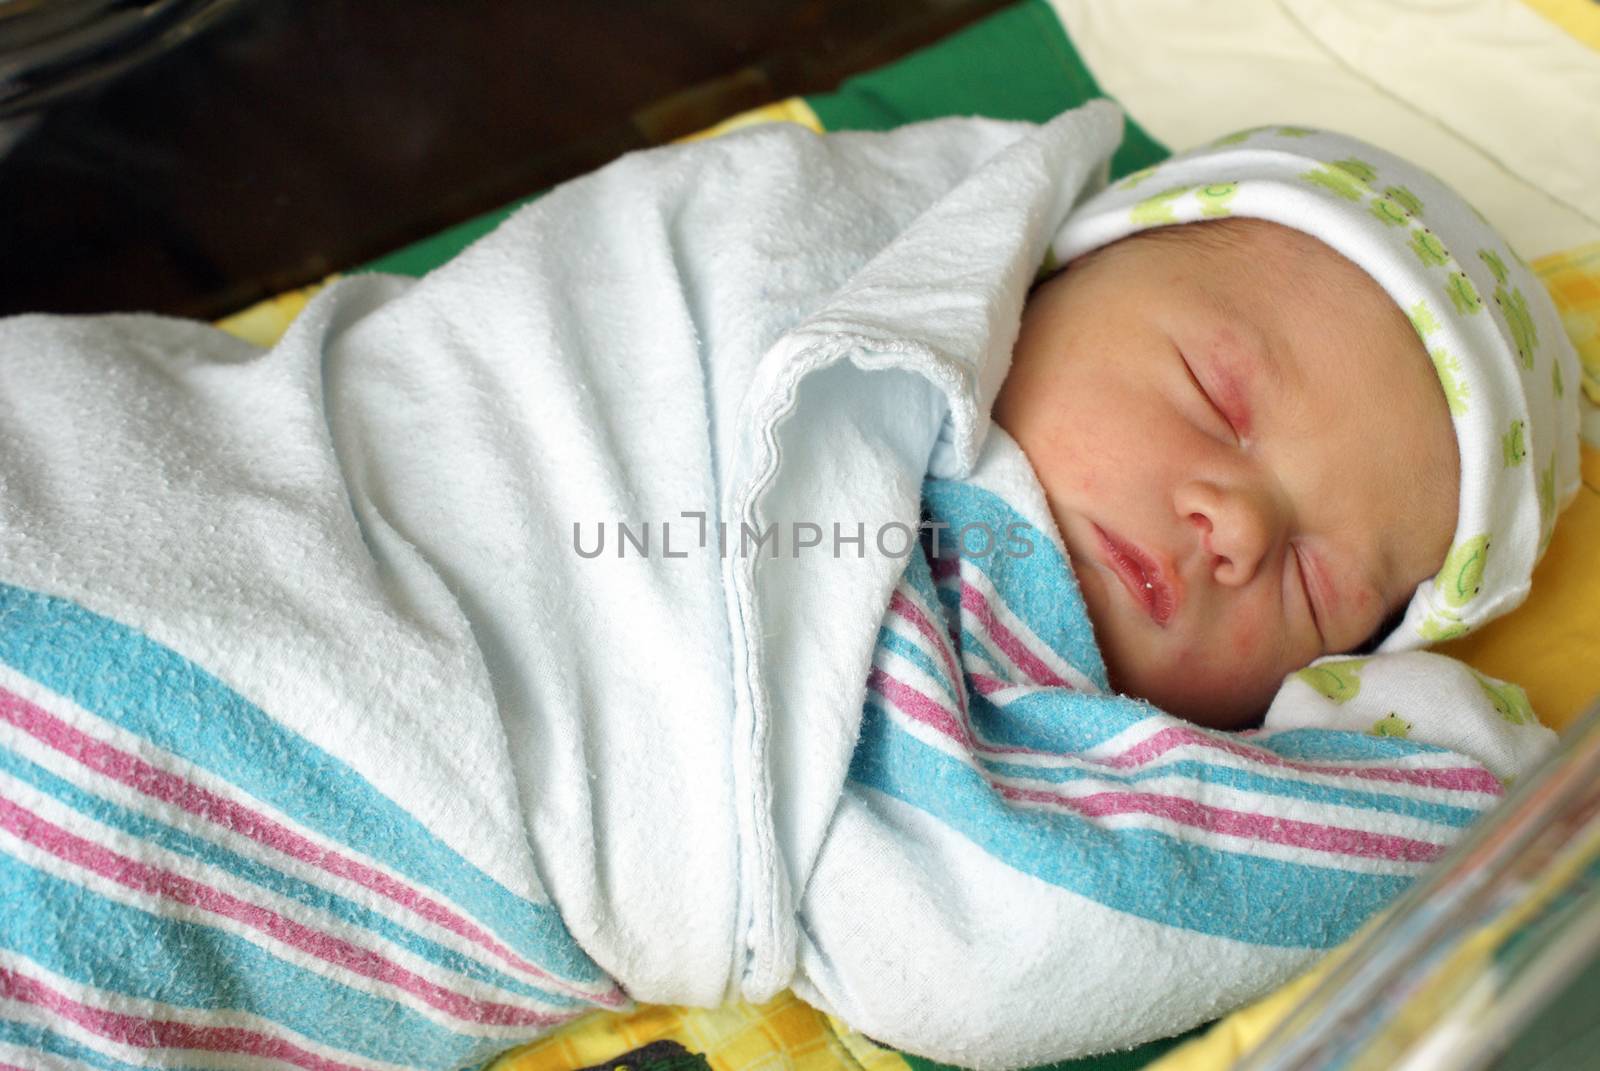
<point>1509,373</point>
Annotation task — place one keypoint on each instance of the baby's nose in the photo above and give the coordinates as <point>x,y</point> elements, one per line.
<point>1237,529</point>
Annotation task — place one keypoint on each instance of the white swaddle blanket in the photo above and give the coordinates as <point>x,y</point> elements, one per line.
<point>329,737</point>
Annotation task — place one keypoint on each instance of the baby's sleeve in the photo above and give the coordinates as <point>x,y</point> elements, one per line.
<point>1420,696</point>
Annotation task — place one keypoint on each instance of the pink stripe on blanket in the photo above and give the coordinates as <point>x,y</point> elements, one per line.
<point>1287,831</point>
<point>974,602</point>
<point>903,605</point>
<point>145,1033</point>
<point>1300,834</point>
<point>137,774</point>
<point>1460,778</point>
<point>145,878</point>
<point>932,713</point>
<point>984,684</point>
<point>920,707</point>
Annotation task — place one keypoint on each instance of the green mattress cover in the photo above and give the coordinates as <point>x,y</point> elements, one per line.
<point>1014,64</point>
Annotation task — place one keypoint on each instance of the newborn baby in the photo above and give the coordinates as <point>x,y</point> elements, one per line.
<point>1288,399</point>
<point>1215,411</point>
<point>326,742</point>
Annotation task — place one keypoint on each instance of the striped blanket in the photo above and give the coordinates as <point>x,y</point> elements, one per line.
<point>187,880</point>
<point>329,740</point>
<point>188,883</point>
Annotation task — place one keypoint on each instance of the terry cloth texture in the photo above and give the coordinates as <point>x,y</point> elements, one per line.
<point>1025,867</point>
<point>329,738</point>
<point>1508,371</point>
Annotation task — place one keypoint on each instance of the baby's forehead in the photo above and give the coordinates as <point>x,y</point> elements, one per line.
<point>1240,256</point>
<point>1241,253</point>
<point>1233,234</point>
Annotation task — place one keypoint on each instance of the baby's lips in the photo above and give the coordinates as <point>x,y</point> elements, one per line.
<point>1152,585</point>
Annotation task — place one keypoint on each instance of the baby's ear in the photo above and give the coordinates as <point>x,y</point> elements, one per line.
<point>1420,696</point>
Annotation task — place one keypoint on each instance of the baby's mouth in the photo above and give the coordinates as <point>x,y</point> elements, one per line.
<point>1141,575</point>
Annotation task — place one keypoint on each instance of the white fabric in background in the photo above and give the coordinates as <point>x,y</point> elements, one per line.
<point>1485,93</point>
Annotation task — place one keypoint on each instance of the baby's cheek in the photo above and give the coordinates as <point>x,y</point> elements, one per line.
<point>1229,650</point>
<point>1367,607</point>
<point>1238,667</point>
<point>1065,468</point>
<point>1245,640</point>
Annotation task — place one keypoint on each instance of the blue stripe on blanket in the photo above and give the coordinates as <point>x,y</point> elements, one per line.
<point>29,1036</point>
<point>150,690</point>
<point>903,647</point>
<point>197,966</point>
<point>1033,584</point>
<point>177,841</point>
<point>1056,720</point>
<point>947,600</point>
<point>1053,720</point>
<point>972,645</point>
<point>1246,781</point>
<point>1249,898</point>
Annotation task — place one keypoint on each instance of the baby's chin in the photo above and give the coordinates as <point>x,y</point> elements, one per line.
<point>1214,704</point>
<point>1209,692</point>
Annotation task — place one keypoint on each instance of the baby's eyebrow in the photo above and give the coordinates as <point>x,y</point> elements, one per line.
<point>1276,357</point>
<point>1261,346</point>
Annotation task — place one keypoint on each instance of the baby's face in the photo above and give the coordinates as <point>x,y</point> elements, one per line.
<point>1247,452</point>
